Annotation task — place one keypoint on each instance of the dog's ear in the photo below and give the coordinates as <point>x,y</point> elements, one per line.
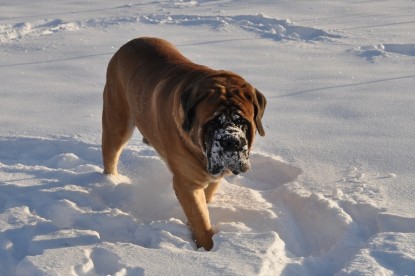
<point>189,100</point>
<point>260,102</point>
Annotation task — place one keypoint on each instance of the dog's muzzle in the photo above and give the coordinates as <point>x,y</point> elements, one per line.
<point>226,144</point>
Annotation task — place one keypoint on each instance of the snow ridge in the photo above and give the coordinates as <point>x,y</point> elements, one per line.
<point>259,24</point>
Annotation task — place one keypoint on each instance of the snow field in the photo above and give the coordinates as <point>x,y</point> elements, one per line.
<point>338,77</point>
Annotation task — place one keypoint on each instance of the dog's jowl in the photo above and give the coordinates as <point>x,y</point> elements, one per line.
<point>201,121</point>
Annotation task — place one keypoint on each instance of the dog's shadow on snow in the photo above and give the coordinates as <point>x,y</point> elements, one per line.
<point>267,172</point>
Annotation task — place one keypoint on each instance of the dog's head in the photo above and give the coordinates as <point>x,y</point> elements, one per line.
<point>222,113</point>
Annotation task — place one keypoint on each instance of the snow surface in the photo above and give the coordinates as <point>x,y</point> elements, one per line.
<point>331,190</point>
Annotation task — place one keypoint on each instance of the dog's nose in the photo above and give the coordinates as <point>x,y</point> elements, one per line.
<point>230,144</point>
<point>233,144</point>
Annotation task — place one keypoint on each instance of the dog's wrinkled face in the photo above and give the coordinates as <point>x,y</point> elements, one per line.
<point>226,144</point>
<point>222,114</point>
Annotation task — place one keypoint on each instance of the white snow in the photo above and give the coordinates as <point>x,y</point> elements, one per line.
<point>331,189</point>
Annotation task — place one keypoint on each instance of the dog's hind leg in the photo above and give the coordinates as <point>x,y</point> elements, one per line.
<point>117,128</point>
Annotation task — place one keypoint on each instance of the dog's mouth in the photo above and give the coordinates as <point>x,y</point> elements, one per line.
<point>226,145</point>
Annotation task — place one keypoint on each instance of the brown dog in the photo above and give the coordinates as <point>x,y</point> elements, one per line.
<point>201,121</point>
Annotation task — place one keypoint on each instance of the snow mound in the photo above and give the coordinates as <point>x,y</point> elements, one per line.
<point>37,28</point>
<point>265,221</point>
<point>397,260</point>
<point>373,52</point>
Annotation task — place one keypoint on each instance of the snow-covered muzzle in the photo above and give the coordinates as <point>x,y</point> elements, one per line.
<point>226,144</point>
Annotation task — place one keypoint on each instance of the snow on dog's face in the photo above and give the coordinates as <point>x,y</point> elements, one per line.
<point>221,114</point>
<point>226,144</point>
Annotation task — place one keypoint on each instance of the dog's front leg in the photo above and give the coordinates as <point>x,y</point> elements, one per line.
<point>211,190</point>
<point>193,202</point>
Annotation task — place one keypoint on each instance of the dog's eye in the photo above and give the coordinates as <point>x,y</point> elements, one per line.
<point>222,118</point>
<point>235,117</point>
<point>238,119</point>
